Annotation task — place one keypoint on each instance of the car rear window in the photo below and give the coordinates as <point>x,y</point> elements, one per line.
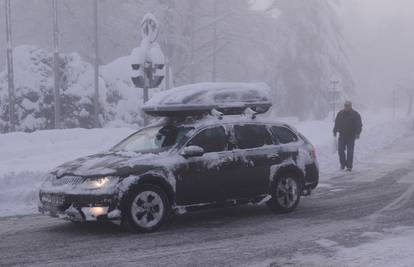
<point>283,135</point>
<point>251,136</point>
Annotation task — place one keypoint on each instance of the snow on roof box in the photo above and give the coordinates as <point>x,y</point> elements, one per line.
<point>200,98</point>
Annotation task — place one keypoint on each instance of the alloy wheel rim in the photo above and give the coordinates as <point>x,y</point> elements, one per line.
<point>287,192</point>
<point>147,209</point>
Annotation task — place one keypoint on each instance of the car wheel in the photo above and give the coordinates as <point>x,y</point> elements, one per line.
<point>146,208</point>
<point>285,194</point>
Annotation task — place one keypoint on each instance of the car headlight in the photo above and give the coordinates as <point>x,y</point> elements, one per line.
<point>100,182</point>
<point>47,180</point>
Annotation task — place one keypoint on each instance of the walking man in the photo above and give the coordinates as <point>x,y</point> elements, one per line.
<point>349,126</point>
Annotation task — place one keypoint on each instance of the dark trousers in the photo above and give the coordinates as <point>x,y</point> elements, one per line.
<point>346,144</point>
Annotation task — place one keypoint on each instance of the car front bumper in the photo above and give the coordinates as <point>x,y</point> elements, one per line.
<point>80,208</point>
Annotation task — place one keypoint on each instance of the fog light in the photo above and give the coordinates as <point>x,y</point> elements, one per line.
<point>92,213</point>
<point>96,211</point>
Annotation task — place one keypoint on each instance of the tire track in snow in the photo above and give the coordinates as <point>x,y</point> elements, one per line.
<point>400,201</point>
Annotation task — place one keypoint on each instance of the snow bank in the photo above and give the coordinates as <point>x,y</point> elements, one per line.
<point>123,100</point>
<point>26,157</point>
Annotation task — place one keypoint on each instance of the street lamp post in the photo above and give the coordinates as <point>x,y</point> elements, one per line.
<point>96,66</point>
<point>56,63</point>
<point>10,74</point>
<point>214,63</point>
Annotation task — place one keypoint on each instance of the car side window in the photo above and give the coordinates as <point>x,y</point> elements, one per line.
<point>283,135</point>
<point>251,136</point>
<point>211,140</point>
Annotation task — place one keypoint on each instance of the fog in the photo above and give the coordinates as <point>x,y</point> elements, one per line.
<point>381,35</point>
<point>297,47</point>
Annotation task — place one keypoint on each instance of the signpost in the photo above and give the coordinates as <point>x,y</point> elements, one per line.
<point>148,57</point>
<point>148,60</point>
<point>334,96</point>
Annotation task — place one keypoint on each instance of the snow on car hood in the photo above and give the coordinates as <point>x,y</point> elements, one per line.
<point>110,163</point>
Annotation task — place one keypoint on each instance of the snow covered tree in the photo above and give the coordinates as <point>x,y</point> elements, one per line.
<point>34,91</point>
<point>309,51</point>
<point>297,50</point>
<point>205,39</point>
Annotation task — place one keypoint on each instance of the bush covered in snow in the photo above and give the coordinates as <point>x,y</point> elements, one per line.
<point>119,100</point>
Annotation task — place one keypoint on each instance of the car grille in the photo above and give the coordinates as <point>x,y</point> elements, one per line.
<point>71,180</point>
<point>52,200</point>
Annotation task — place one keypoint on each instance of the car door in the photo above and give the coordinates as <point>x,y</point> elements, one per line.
<point>285,137</point>
<point>253,147</point>
<point>200,179</point>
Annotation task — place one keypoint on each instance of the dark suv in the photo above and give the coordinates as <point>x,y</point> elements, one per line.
<point>179,166</point>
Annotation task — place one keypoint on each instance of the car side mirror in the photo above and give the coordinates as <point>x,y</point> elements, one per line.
<point>192,151</point>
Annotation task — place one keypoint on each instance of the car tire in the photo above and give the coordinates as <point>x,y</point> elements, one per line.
<point>146,208</point>
<point>285,193</point>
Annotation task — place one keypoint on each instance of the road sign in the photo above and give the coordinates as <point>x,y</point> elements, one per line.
<point>150,78</point>
<point>149,28</point>
<point>147,59</point>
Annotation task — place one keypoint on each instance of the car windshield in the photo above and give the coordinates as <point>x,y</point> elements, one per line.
<point>153,139</point>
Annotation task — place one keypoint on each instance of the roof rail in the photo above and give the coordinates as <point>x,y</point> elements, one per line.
<point>214,112</point>
<point>250,112</point>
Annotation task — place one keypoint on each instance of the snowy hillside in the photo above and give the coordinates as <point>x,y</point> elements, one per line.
<point>26,157</point>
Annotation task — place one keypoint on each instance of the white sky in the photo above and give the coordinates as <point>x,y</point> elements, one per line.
<point>381,33</point>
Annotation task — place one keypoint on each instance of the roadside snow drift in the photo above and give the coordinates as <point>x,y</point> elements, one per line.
<point>26,157</point>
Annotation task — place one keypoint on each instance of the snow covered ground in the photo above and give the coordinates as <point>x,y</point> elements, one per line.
<point>394,248</point>
<point>379,131</point>
<point>26,157</point>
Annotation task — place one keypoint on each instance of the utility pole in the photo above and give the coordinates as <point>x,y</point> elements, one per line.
<point>96,66</point>
<point>214,67</point>
<point>167,25</point>
<point>10,74</point>
<point>192,41</point>
<point>56,63</point>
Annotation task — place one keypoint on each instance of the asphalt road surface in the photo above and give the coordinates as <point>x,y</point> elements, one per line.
<point>378,195</point>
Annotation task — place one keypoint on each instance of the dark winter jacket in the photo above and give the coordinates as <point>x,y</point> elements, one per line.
<point>348,123</point>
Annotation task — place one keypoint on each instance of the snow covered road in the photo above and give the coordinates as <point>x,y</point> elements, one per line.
<point>362,218</point>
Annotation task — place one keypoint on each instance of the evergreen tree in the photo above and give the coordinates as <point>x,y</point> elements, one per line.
<point>310,51</point>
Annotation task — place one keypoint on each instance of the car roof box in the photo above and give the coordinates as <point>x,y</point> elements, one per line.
<point>201,98</point>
